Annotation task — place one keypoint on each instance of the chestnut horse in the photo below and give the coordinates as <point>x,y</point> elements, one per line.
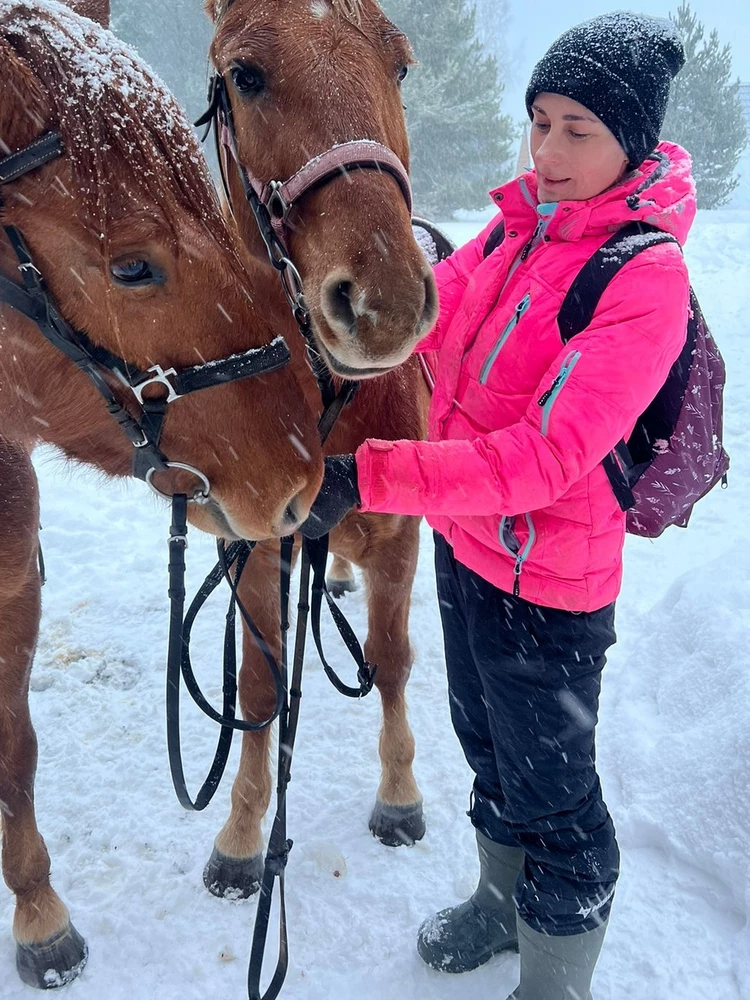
<point>303,79</point>
<point>126,231</point>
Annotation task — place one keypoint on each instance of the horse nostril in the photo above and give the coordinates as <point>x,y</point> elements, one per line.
<point>291,517</point>
<point>337,306</point>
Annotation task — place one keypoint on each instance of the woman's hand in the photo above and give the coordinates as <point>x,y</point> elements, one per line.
<point>338,494</point>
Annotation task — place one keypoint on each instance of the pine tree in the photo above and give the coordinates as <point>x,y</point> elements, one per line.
<point>705,114</point>
<point>461,142</point>
<point>182,63</point>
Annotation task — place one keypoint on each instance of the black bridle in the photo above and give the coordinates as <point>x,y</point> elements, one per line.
<point>34,301</point>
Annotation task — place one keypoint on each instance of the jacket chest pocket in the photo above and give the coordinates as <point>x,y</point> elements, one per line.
<point>487,365</point>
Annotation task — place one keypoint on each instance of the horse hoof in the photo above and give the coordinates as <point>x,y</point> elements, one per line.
<point>55,962</point>
<point>233,878</point>
<point>339,588</point>
<point>396,826</point>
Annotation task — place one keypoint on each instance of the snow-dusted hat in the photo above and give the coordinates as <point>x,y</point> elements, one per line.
<point>620,66</point>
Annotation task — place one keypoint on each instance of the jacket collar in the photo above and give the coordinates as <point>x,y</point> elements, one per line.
<point>661,193</point>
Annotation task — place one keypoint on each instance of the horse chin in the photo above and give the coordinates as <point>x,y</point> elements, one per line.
<point>211,518</point>
<point>359,373</point>
<point>215,519</point>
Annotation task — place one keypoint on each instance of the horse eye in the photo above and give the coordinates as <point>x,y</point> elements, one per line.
<point>135,272</point>
<point>404,72</point>
<point>248,80</point>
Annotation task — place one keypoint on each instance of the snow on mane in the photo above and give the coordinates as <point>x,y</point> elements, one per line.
<point>114,114</point>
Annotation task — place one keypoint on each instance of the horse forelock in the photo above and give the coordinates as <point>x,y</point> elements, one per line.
<point>125,135</point>
<point>351,10</point>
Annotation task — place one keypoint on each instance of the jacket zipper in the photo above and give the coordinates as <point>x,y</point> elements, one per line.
<point>521,308</point>
<point>521,555</point>
<point>547,400</point>
<point>530,245</point>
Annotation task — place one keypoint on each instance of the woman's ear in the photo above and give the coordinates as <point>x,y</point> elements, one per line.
<point>97,10</point>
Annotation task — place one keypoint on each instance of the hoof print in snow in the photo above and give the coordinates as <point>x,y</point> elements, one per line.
<point>233,878</point>
<point>52,963</point>
<point>397,826</point>
<point>340,588</point>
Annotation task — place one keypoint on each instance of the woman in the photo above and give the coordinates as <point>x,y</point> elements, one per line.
<point>529,535</point>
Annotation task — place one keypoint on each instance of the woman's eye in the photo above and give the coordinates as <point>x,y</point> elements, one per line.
<point>247,80</point>
<point>541,126</point>
<point>134,272</point>
<point>580,135</point>
<point>403,73</point>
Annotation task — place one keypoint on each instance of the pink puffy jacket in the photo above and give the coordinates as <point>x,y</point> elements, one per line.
<point>519,423</point>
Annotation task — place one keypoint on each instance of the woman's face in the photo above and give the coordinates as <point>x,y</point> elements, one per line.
<point>575,154</point>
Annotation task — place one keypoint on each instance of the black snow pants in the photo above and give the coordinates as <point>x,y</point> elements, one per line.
<point>524,685</point>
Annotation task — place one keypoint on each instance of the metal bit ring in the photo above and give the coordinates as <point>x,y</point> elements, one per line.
<point>200,497</point>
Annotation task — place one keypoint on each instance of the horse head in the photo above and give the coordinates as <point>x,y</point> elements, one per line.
<point>128,234</point>
<point>309,79</point>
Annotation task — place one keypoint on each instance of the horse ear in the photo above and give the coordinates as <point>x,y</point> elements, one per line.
<point>97,10</point>
<point>215,8</point>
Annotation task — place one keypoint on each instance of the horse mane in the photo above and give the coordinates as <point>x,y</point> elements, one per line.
<point>110,108</point>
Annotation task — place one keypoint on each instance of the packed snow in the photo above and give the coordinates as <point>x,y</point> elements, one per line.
<point>674,743</point>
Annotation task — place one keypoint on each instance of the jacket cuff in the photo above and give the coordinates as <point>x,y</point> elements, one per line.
<point>388,474</point>
<point>372,474</point>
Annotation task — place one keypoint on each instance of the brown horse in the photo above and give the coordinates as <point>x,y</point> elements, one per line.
<point>303,78</point>
<point>125,228</point>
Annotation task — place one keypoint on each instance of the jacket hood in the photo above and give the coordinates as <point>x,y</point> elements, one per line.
<point>661,193</point>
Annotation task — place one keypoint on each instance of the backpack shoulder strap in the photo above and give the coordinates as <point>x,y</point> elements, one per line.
<point>494,240</point>
<point>578,310</point>
<point>581,302</point>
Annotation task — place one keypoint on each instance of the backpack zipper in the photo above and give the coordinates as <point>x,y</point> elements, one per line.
<point>547,400</point>
<point>521,555</point>
<point>521,308</point>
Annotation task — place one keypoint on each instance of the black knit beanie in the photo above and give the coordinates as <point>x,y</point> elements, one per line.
<point>620,66</point>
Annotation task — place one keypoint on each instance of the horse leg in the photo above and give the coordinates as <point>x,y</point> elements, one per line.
<point>235,868</point>
<point>49,950</point>
<point>340,580</point>
<point>389,561</point>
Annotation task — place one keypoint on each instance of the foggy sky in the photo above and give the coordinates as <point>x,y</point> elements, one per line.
<point>534,26</point>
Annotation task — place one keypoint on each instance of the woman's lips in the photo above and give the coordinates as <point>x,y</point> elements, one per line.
<point>554,183</point>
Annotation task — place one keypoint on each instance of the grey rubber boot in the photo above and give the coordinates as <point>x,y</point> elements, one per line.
<point>557,968</point>
<point>464,937</point>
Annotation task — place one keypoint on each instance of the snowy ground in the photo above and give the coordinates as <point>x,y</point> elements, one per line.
<point>674,749</point>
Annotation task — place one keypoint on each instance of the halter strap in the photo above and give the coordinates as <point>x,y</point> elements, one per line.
<point>359,154</point>
<point>43,150</point>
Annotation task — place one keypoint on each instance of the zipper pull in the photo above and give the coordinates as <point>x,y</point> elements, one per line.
<point>517,570</point>
<point>544,398</point>
<point>530,244</point>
